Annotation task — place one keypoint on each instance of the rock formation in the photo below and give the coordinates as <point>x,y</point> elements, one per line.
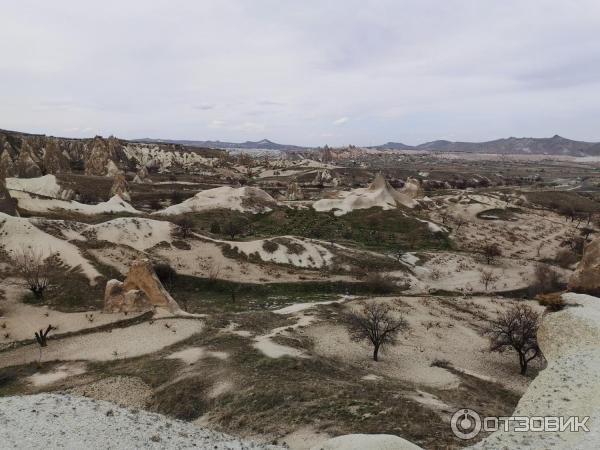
<point>412,188</point>
<point>26,166</point>
<point>587,276</point>
<point>294,191</point>
<point>141,291</point>
<point>54,160</point>
<point>7,203</point>
<point>7,166</point>
<point>142,176</point>
<point>100,155</point>
<point>120,188</point>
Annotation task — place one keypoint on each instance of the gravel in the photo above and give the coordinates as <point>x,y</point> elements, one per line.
<point>59,421</point>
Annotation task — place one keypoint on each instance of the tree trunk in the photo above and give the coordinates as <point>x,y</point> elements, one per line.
<point>523,364</point>
<point>375,353</point>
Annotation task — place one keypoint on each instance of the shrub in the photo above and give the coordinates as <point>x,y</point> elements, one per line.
<point>565,258</point>
<point>166,274</point>
<point>546,279</point>
<point>553,302</point>
<point>270,246</point>
<point>379,283</point>
<point>215,228</point>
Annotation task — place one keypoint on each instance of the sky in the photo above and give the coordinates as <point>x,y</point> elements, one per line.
<point>308,72</point>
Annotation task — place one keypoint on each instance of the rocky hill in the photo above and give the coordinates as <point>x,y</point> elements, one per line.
<point>556,145</point>
<point>31,155</point>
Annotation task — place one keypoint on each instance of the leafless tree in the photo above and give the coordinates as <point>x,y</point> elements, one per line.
<point>376,323</point>
<point>491,252</point>
<point>585,232</point>
<point>34,268</point>
<point>459,221</point>
<point>487,277</point>
<point>515,329</point>
<point>185,227</point>
<point>232,228</point>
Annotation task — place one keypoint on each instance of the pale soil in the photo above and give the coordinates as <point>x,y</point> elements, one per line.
<point>533,235</point>
<point>23,320</point>
<point>462,272</point>
<point>57,374</point>
<point>437,332</point>
<point>191,355</point>
<point>118,343</point>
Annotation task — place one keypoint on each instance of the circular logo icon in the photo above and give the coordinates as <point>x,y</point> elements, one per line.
<point>465,423</point>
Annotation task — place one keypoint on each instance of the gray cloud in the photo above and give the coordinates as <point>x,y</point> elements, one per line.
<point>409,70</point>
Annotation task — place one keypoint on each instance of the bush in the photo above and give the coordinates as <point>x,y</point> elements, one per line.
<point>215,228</point>
<point>553,302</point>
<point>565,258</point>
<point>379,283</point>
<point>270,246</point>
<point>546,280</point>
<point>166,274</point>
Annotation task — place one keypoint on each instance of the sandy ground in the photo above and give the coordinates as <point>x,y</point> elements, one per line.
<point>21,321</point>
<point>437,331</point>
<point>532,235</point>
<point>119,343</point>
<point>461,272</point>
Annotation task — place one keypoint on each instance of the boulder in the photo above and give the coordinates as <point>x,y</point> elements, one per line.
<point>117,299</point>
<point>586,278</point>
<point>141,291</point>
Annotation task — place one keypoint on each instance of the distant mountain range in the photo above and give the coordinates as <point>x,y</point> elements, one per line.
<point>556,145</point>
<point>264,144</point>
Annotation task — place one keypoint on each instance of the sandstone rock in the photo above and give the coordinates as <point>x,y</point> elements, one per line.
<point>26,167</point>
<point>7,204</point>
<point>54,160</point>
<point>141,291</point>
<point>117,299</point>
<point>587,276</point>
<point>412,188</point>
<point>294,192</point>
<point>102,152</point>
<point>142,176</point>
<point>120,188</point>
<point>7,166</point>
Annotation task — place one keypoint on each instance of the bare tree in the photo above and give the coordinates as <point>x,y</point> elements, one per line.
<point>185,226</point>
<point>491,252</point>
<point>232,228</point>
<point>585,232</point>
<point>487,277</point>
<point>375,323</point>
<point>459,221</point>
<point>516,328</point>
<point>34,268</point>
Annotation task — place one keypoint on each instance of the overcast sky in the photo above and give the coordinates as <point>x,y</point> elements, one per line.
<point>304,72</point>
